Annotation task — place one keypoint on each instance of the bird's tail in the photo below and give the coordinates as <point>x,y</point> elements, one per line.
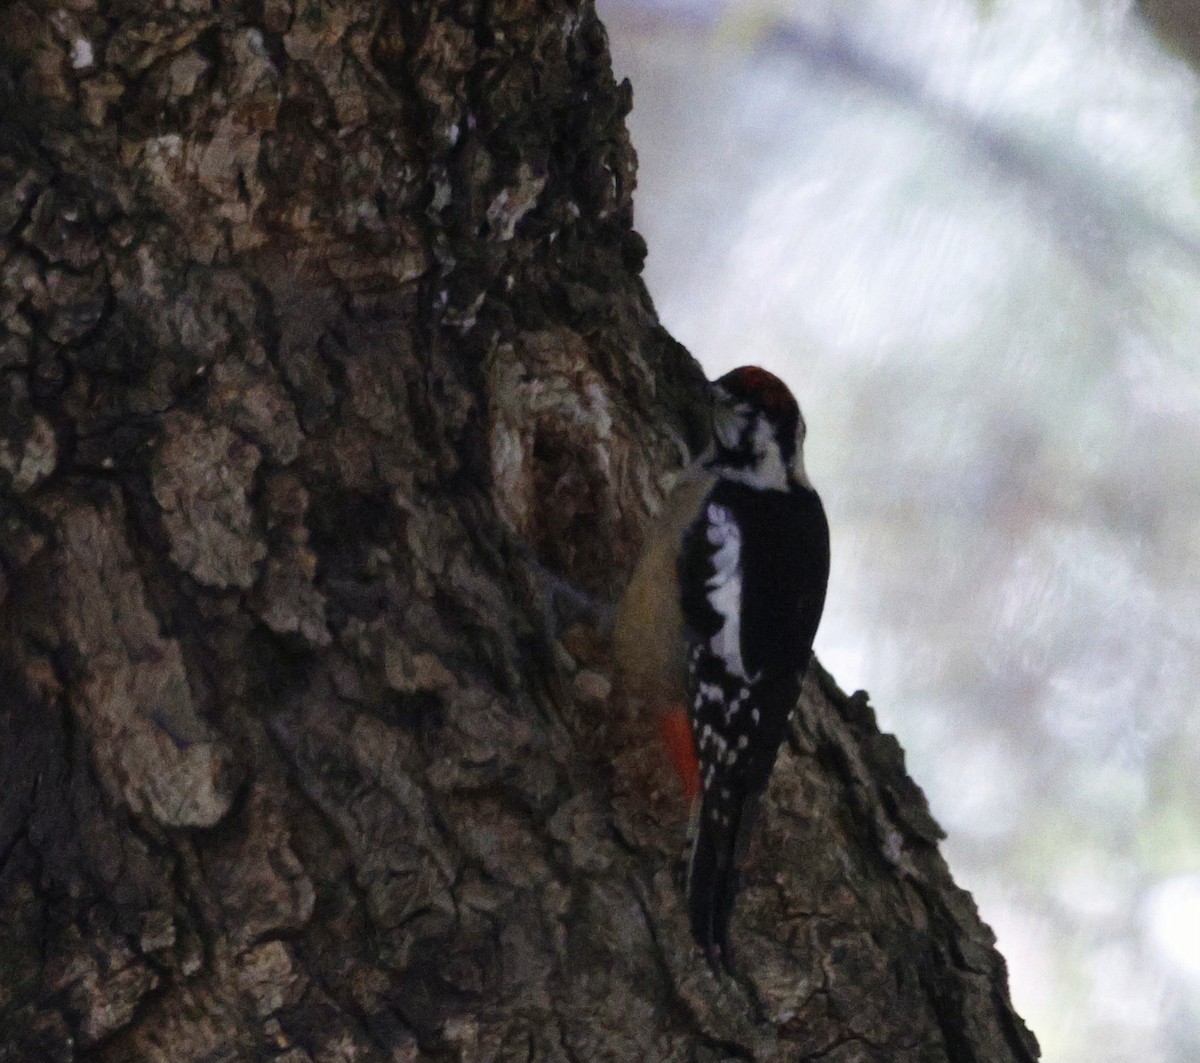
<point>722,834</point>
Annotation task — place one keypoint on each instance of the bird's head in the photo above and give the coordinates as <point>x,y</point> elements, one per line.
<point>759,430</point>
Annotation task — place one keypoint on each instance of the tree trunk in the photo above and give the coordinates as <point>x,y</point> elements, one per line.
<point>324,359</point>
<point>1177,22</point>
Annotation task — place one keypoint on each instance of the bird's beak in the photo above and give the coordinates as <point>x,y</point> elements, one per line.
<point>727,419</point>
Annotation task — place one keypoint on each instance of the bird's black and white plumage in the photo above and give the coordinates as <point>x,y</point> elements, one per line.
<point>752,569</point>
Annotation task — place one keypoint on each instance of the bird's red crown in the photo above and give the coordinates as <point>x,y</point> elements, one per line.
<point>760,387</point>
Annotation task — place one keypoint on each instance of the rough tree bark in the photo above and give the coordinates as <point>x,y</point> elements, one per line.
<point>323,345</point>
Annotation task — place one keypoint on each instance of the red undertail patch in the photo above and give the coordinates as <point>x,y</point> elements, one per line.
<point>676,733</point>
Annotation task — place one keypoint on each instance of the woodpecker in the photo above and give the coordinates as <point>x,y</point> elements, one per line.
<point>720,614</point>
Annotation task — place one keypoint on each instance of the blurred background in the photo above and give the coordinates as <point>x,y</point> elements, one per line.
<point>967,233</point>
